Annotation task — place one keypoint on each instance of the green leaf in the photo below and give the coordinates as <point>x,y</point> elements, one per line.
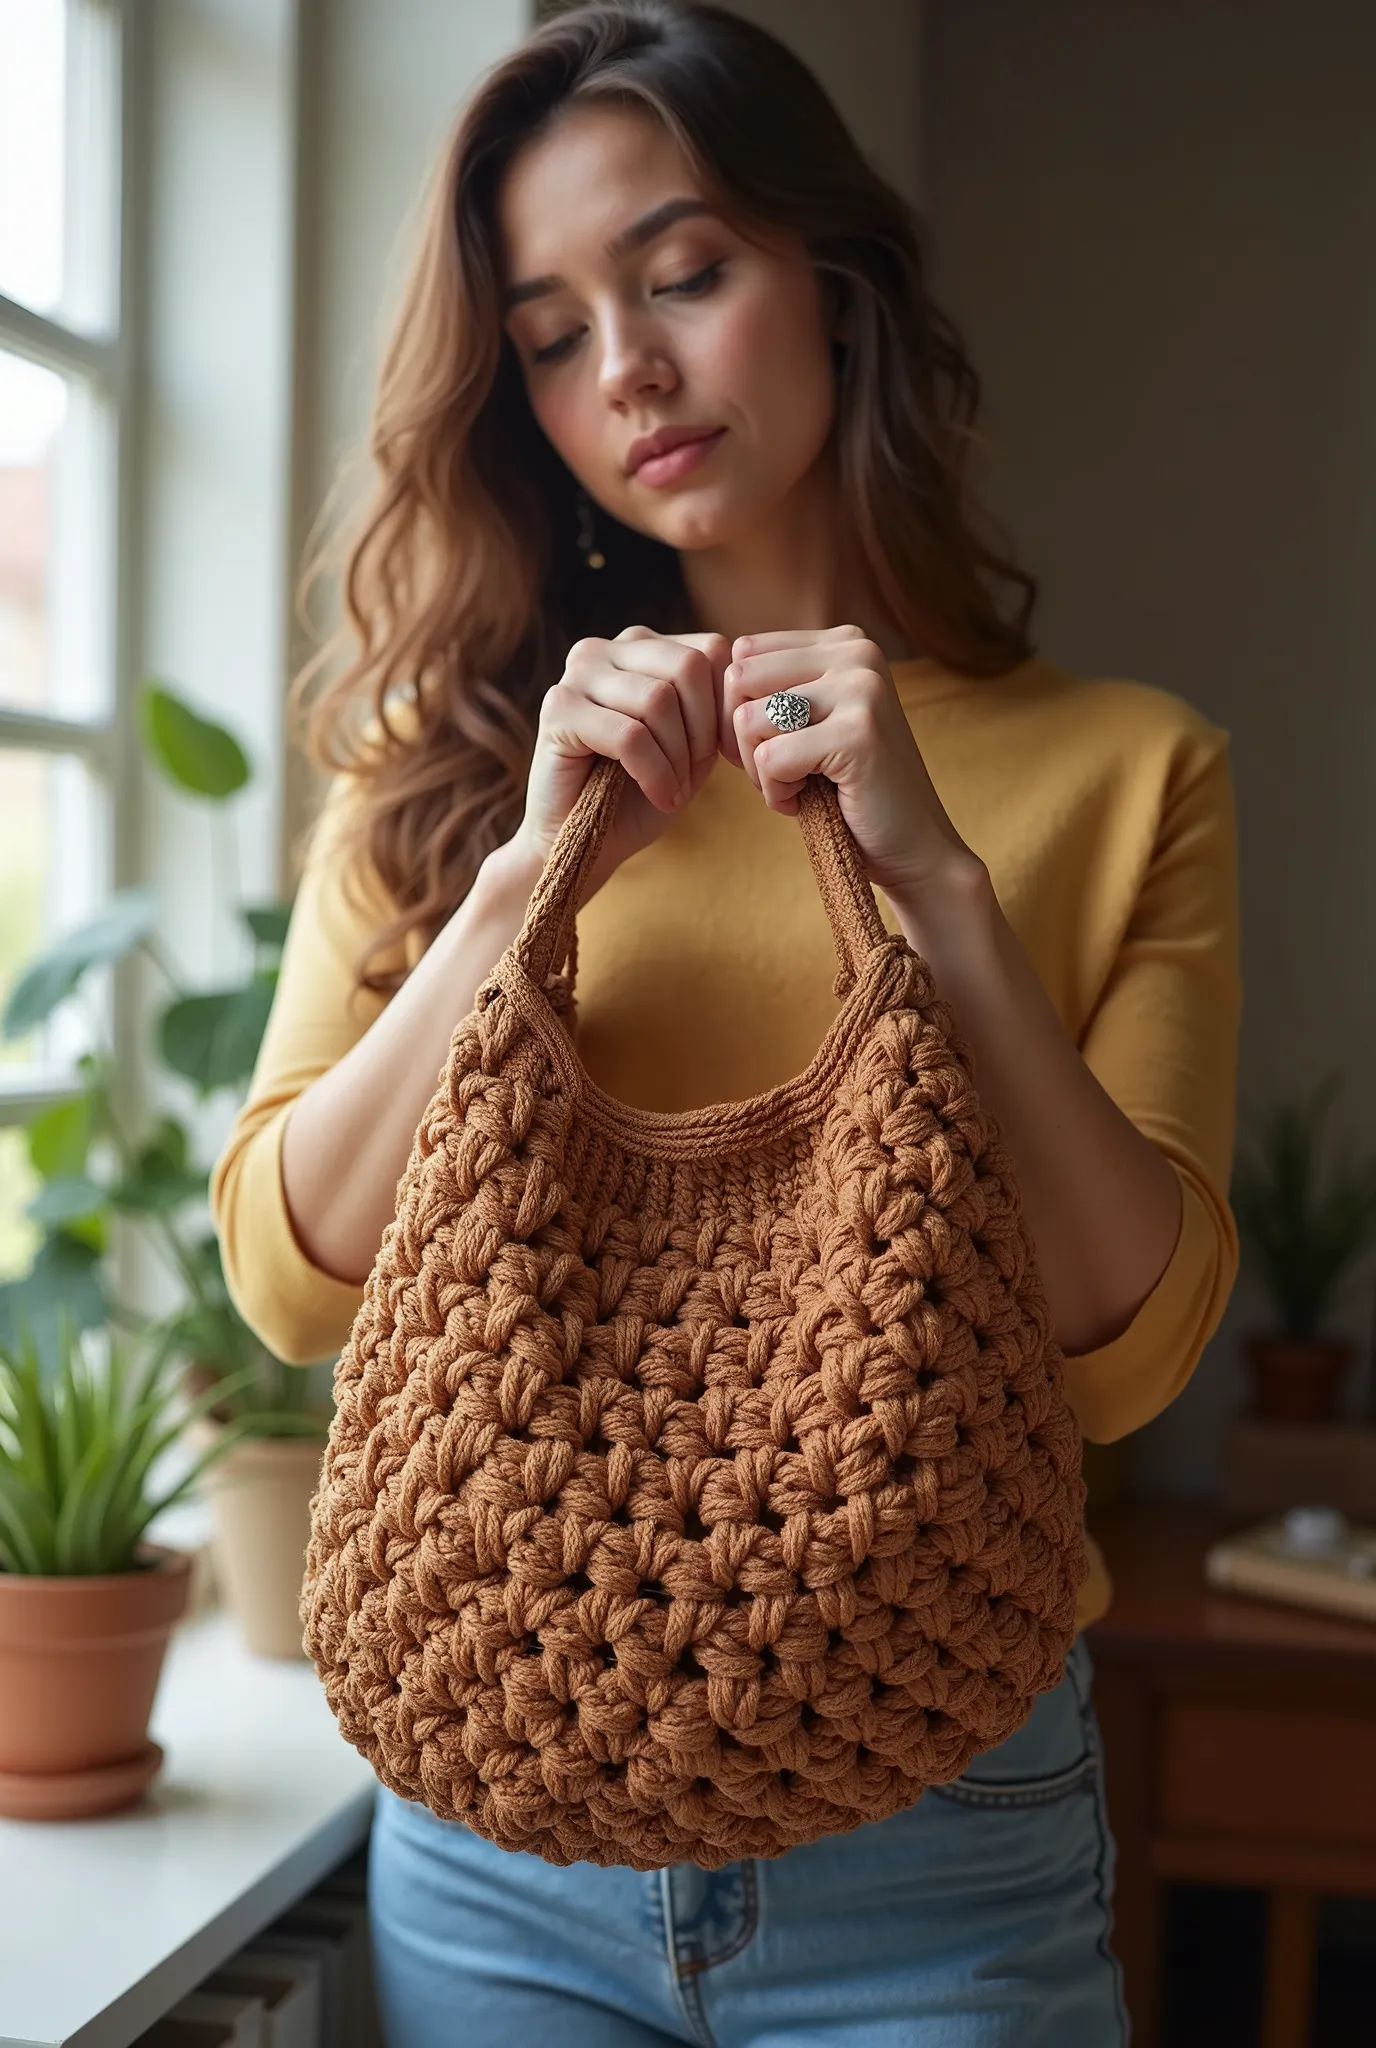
<point>89,1230</point>
<point>24,1523</point>
<point>214,1039</point>
<point>208,1335</point>
<point>268,923</point>
<point>67,1198</point>
<point>60,1137</point>
<point>194,753</point>
<point>64,1275</point>
<point>159,1179</point>
<point>128,917</point>
<point>78,1442</point>
<point>166,1148</point>
<point>162,1196</point>
<point>69,1273</point>
<point>1301,1229</point>
<point>205,1256</point>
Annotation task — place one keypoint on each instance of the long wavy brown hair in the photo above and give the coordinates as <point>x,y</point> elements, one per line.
<point>463,586</point>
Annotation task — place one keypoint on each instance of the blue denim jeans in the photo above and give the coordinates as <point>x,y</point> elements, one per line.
<point>979,1916</point>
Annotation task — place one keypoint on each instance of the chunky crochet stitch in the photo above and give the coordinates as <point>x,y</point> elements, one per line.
<point>700,1483</point>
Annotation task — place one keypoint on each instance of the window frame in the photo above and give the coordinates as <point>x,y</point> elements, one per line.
<point>106,362</point>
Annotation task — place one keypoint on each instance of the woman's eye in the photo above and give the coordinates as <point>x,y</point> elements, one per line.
<point>691,284</point>
<point>690,287</point>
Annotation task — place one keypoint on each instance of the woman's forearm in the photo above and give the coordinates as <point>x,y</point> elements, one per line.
<point>1102,1204</point>
<point>348,1135</point>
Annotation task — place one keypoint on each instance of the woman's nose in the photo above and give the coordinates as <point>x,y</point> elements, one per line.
<point>633,362</point>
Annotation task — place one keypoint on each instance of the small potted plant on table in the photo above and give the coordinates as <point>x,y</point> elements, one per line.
<point>1302,1231</point>
<point>87,1602</point>
<point>98,1177</point>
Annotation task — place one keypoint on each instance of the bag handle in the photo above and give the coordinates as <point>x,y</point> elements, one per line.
<point>548,935</point>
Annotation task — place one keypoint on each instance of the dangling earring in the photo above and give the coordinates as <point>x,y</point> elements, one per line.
<point>593,556</point>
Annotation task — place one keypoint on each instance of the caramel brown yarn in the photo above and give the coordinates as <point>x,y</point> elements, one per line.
<point>701,1483</point>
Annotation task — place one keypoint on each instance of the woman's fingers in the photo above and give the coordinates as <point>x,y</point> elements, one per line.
<point>753,680</point>
<point>656,704</point>
<point>781,764</point>
<point>799,636</point>
<point>575,722</point>
<point>764,662</point>
<point>752,728</point>
<point>691,664</point>
<point>667,685</point>
<point>644,699</point>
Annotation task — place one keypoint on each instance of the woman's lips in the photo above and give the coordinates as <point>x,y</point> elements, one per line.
<point>668,468</point>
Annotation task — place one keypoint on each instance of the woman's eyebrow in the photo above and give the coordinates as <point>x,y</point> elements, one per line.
<point>630,239</point>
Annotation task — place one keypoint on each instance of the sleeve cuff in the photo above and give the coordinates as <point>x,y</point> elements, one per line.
<point>1123,1384</point>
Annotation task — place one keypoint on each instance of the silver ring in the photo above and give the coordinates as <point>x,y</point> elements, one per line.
<point>788,710</point>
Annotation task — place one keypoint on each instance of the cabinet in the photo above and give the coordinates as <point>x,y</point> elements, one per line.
<point>1239,1749</point>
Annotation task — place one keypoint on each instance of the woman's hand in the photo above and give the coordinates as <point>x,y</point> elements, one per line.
<point>858,736</point>
<point>643,699</point>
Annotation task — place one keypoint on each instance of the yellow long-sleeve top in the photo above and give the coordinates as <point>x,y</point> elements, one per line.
<point>1104,813</point>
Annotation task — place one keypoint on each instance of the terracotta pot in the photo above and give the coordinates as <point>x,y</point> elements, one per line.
<point>259,1494</point>
<point>1298,1379</point>
<point>80,1660</point>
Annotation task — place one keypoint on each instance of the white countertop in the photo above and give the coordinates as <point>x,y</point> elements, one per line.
<point>105,1923</point>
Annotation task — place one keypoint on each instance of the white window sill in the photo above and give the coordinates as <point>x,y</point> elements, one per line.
<point>106,1923</point>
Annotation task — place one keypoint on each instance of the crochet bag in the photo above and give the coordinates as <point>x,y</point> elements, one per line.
<point>699,1483</point>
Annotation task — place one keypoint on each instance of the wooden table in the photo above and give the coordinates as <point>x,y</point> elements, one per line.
<point>1240,1749</point>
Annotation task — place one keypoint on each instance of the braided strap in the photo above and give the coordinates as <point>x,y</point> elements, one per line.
<point>547,935</point>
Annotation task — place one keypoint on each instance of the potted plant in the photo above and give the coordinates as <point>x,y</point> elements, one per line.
<point>97,1176</point>
<point>1302,1230</point>
<point>87,1602</point>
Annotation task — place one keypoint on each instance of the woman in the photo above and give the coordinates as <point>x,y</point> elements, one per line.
<point>670,428</point>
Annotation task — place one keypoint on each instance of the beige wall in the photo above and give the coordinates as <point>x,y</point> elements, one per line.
<point>868,55</point>
<point>1158,227</point>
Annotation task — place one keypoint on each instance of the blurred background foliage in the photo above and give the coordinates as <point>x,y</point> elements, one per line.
<point>86,1171</point>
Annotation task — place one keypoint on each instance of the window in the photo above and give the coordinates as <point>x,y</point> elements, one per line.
<point>63,420</point>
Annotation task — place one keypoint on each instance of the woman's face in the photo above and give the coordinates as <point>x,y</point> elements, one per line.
<point>684,324</point>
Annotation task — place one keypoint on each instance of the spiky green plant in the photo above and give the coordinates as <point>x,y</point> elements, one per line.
<point>1301,1227</point>
<point>77,1448</point>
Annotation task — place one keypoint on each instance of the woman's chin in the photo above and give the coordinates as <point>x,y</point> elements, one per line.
<point>693,527</point>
